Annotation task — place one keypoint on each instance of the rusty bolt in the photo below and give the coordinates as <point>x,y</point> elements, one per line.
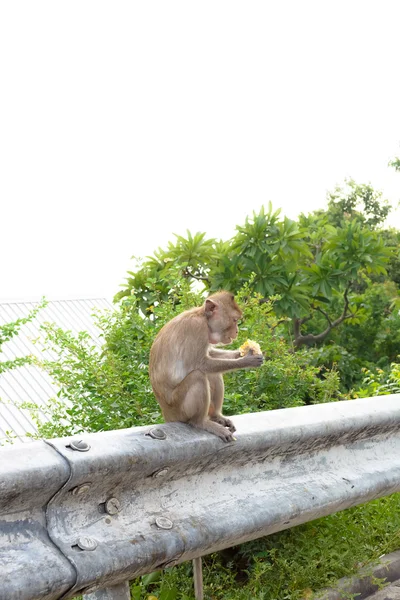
<point>112,506</point>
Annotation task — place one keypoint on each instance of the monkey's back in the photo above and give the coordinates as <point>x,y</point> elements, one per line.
<point>176,351</point>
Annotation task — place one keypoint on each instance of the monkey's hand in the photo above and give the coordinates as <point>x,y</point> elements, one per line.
<point>252,360</point>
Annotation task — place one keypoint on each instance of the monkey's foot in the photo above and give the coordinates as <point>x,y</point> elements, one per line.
<point>225,422</point>
<point>217,429</point>
<point>225,434</point>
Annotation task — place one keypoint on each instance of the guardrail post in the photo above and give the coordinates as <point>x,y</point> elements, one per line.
<point>198,578</point>
<point>116,592</point>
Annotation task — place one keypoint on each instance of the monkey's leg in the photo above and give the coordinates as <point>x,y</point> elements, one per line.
<point>216,382</point>
<point>192,396</point>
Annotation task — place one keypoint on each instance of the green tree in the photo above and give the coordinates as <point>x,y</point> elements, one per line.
<point>311,265</point>
<point>188,258</point>
<point>371,341</point>
<point>357,201</point>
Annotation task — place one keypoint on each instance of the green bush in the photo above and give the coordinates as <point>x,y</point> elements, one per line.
<point>286,379</point>
<point>101,388</point>
<point>379,382</point>
<point>7,332</point>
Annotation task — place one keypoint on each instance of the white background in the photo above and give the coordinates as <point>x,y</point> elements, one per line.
<point>123,122</point>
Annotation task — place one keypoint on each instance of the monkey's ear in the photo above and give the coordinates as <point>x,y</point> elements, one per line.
<point>209,307</point>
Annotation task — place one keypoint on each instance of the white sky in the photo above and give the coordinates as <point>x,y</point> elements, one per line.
<point>123,122</point>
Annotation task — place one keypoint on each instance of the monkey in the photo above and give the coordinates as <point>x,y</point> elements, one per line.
<point>186,371</point>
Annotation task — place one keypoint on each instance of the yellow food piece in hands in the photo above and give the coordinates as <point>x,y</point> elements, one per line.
<point>250,346</point>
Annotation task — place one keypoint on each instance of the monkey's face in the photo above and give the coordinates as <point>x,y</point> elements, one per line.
<point>223,318</point>
<point>231,332</point>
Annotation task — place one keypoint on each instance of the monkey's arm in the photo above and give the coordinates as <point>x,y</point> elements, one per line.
<point>221,365</point>
<point>214,353</point>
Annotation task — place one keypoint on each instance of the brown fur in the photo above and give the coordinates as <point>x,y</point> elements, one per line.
<point>186,371</point>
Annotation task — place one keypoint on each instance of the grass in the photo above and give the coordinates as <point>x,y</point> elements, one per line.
<point>289,565</point>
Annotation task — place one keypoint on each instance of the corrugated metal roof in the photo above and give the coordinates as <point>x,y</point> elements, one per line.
<point>29,383</point>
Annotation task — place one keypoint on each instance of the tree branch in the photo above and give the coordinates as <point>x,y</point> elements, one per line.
<point>310,338</point>
<point>305,319</point>
<point>280,322</point>
<point>319,309</point>
<point>187,273</point>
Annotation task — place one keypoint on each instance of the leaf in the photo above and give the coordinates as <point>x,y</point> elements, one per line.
<point>151,578</point>
<point>170,594</point>
<point>136,592</point>
<point>322,299</point>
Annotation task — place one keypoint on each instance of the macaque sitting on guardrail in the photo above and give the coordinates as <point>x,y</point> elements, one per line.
<point>186,371</point>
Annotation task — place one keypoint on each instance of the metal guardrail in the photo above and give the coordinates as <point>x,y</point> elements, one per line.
<point>125,503</point>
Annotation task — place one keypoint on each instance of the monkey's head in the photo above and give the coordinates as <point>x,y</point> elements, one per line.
<point>222,314</point>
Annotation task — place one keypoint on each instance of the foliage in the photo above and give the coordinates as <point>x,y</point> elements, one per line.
<point>395,163</point>
<point>391,238</point>
<point>379,382</point>
<point>153,280</point>
<point>267,250</point>
<point>312,265</point>
<point>347,365</point>
<point>375,337</point>
<point>292,564</point>
<point>357,201</point>
<point>11,330</point>
<point>101,388</point>
<point>372,340</point>
<point>287,379</point>
<point>7,332</point>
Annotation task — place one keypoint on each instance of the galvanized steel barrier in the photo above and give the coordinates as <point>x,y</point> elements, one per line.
<point>80,517</point>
